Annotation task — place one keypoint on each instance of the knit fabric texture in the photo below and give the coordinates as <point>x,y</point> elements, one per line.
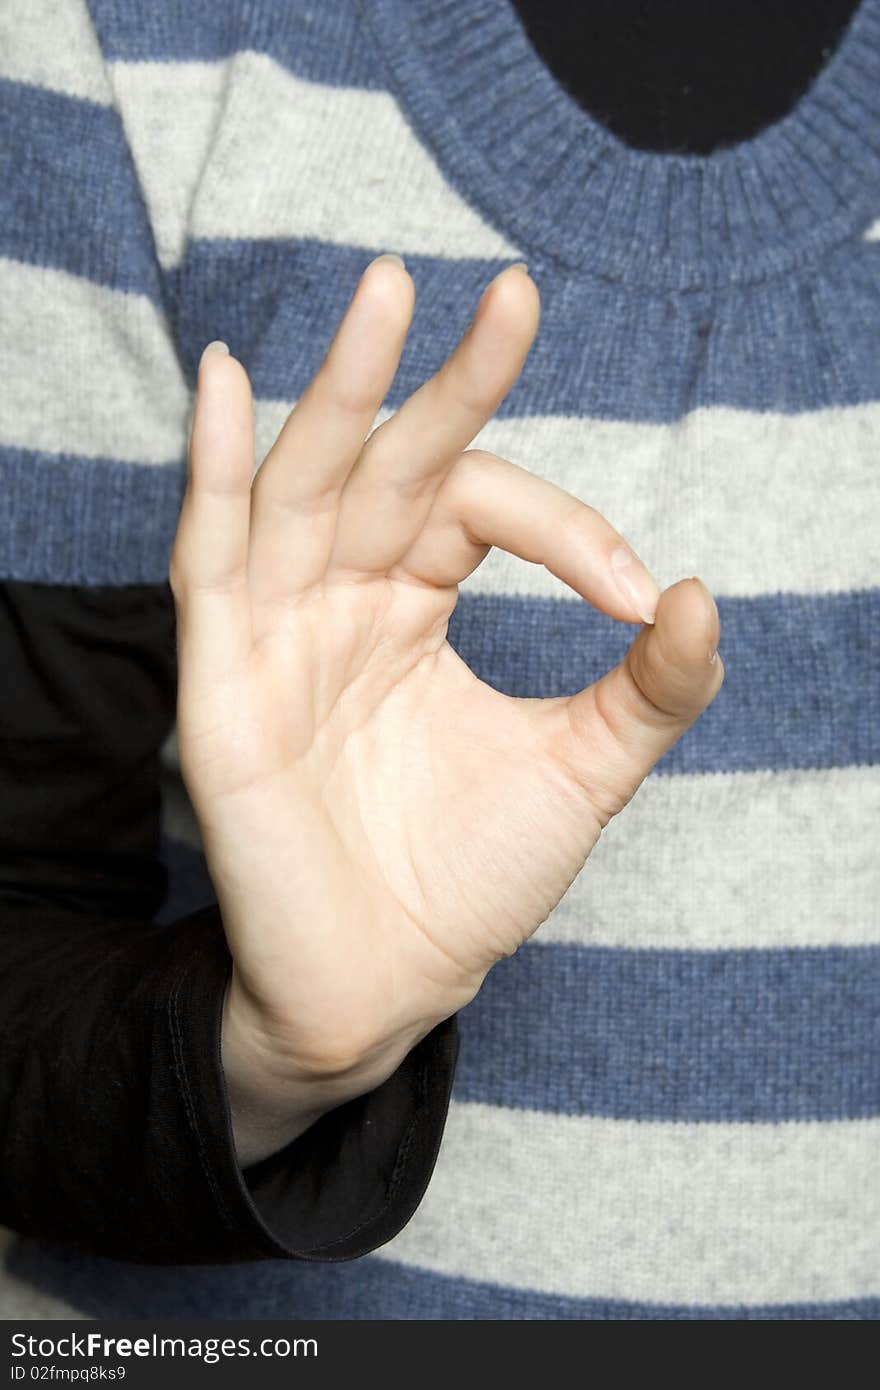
<point>667,1104</point>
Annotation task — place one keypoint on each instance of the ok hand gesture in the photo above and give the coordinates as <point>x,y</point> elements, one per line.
<point>380,825</point>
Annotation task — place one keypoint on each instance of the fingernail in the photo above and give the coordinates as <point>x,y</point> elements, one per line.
<point>635,583</point>
<point>388,256</point>
<point>216,346</point>
<point>519,265</point>
<point>711,613</point>
<point>711,606</point>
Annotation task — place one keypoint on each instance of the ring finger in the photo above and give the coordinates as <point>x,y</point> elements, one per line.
<point>296,490</point>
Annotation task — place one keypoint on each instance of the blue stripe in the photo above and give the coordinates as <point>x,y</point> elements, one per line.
<point>70,199</point>
<point>750,1035</point>
<point>800,672</point>
<point>314,42</point>
<point>354,1291</point>
<point>65,519</point>
<point>291,294</point>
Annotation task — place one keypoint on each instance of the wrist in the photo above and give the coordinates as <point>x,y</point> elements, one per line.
<point>276,1094</point>
<point>265,1114</point>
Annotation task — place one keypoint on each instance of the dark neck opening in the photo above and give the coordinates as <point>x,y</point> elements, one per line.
<point>683,75</point>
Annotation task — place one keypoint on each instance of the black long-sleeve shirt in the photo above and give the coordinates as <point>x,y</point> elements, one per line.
<point>114,1120</point>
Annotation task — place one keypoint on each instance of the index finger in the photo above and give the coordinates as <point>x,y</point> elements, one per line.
<point>488,501</point>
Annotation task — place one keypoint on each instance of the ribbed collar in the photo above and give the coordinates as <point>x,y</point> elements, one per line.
<point>564,188</point>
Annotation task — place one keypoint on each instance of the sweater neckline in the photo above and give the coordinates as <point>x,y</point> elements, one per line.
<point>564,188</point>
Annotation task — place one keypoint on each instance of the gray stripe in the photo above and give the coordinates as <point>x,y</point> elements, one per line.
<point>663,1213</point>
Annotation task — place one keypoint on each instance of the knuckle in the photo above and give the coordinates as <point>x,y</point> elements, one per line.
<point>470,398</point>
<point>464,483</point>
<point>272,493</point>
<point>567,520</point>
<point>596,754</point>
<point>576,518</point>
<point>617,707</point>
<point>345,394</point>
<point>471,468</point>
<point>650,671</point>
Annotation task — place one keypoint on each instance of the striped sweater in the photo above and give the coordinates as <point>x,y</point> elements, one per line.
<point>667,1103</point>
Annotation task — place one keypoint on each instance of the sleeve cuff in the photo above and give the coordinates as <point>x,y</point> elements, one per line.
<point>348,1183</point>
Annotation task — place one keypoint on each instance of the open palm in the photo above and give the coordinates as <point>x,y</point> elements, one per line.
<point>380,825</point>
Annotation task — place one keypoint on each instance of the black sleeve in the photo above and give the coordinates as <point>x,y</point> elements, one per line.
<point>115,1130</point>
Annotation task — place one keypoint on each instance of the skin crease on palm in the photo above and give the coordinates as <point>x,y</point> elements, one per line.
<point>380,825</point>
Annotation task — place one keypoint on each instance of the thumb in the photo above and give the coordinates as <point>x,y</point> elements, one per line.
<point>624,723</point>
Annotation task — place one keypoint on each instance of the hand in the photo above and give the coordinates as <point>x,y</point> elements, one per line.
<point>380,826</point>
